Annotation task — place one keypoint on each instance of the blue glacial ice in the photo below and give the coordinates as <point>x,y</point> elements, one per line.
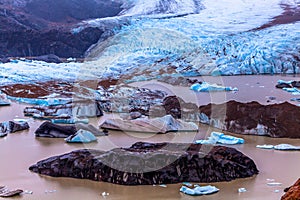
<point>81,136</point>
<point>221,138</point>
<point>42,102</point>
<point>199,190</point>
<point>153,37</point>
<point>207,87</point>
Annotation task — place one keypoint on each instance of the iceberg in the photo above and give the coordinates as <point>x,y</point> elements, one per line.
<point>294,91</point>
<point>221,138</point>
<point>81,136</point>
<point>281,147</point>
<point>70,121</point>
<point>207,87</point>
<point>42,102</point>
<point>12,127</point>
<point>156,125</point>
<point>199,190</point>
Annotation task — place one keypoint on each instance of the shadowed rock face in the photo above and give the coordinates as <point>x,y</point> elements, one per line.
<point>147,163</point>
<point>293,192</point>
<point>41,27</point>
<point>277,120</point>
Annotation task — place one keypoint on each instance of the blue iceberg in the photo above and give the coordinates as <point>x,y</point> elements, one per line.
<point>221,138</point>
<point>199,190</point>
<point>207,87</point>
<point>70,121</point>
<point>81,136</point>
<point>41,102</point>
<point>294,91</point>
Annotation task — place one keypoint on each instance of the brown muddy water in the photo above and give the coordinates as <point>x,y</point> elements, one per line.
<point>20,150</point>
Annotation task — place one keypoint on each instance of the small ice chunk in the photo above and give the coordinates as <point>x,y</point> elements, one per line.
<point>187,184</point>
<point>221,138</point>
<point>105,194</point>
<point>265,146</point>
<point>284,82</point>
<point>20,120</point>
<point>163,185</point>
<point>28,192</point>
<point>274,184</point>
<point>276,191</point>
<point>241,190</point>
<point>270,180</point>
<point>199,190</point>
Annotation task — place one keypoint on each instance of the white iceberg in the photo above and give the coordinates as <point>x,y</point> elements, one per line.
<point>265,146</point>
<point>284,82</point>
<point>221,138</point>
<point>286,147</point>
<point>199,190</point>
<point>207,87</point>
<point>242,190</point>
<point>281,147</point>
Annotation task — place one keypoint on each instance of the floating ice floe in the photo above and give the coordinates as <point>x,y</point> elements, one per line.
<point>221,138</point>
<point>294,91</point>
<point>70,121</point>
<point>81,136</point>
<point>199,190</point>
<point>281,147</point>
<point>242,190</point>
<point>104,194</point>
<point>274,184</point>
<point>284,82</point>
<point>207,87</point>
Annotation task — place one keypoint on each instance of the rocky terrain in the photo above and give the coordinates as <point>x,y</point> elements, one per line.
<point>277,120</point>
<point>150,163</point>
<point>293,192</point>
<point>39,27</point>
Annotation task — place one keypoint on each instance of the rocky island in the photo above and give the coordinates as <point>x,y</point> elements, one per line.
<point>150,163</point>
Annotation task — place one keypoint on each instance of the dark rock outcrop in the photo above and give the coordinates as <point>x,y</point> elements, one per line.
<point>147,164</point>
<point>48,129</point>
<point>276,120</point>
<point>41,27</point>
<point>288,85</point>
<point>178,108</point>
<point>293,192</point>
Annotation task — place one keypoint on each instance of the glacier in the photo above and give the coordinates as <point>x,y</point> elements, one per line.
<point>191,38</point>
